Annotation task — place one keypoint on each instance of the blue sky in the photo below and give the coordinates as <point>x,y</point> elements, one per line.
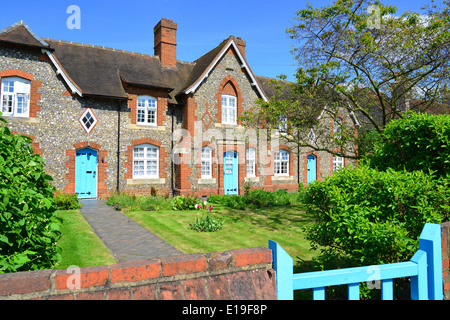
<point>202,25</point>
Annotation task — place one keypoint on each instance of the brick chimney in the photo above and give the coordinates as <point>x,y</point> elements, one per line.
<point>165,33</point>
<point>241,45</point>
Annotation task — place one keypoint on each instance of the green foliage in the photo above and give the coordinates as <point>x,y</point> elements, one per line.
<point>366,217</point>
<point>206,224</point>
<point>416,142</point>
<point>185,203</point>
<point>65,201</point>
<point>254,199</point>
<point>29,228</point>
<point>127,202</point>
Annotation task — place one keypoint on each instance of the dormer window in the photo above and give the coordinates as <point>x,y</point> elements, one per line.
<point>146,110</point>
<point>15,97</point>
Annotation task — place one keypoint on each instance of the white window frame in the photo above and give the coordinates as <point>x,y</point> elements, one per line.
<point>143,157</point>
<point>281,163</point>
<point>147,106</point>
<point>251,162</point>
<point>206,163</point>
<point>13,89</point>
<point>338,162</point>
<point>229,109</point>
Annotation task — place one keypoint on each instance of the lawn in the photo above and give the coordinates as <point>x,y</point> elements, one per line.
<point>80,245</point>
<point>242,229</point>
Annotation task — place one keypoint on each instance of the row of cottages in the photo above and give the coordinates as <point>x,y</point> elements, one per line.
<point>107,120</point>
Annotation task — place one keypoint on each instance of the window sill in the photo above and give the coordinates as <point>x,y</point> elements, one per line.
<point>133,182</point>
<point>207,181</point>
<point>283,178</point>
<point>22,119</point>
<point>251,179</point>
<point>146,127</point>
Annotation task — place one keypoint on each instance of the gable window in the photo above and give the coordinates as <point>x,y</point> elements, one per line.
<point>228,109</point>
<point>206,162</point>
<point>146,110</point>
<point>338,162</point>
<point>88,120</point>
<point>251,160</point>
<point>15,97</point>
<point>281,163</point>
<point>337,127</point>
<point>145,161</point>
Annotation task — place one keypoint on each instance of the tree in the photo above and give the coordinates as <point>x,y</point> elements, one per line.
<point>358,59</point>
<point>29,228</point>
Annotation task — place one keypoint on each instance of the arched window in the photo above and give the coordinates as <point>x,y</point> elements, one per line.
<point>281,163</point>
<point>145,161</point>
<point>206,162</point>
<point>251,162</point>
<point>15,96</point>
<point>229,109</point>
<point>147,110</point>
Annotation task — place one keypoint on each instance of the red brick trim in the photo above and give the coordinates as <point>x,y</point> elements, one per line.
<point>129,157</point>
<point>34,145</point>
<point>305,167</point>
<point>291,157</point>
<point>158,94</point>
<point>231,87</point>
<point>35,96</point>
<point>102,189</point>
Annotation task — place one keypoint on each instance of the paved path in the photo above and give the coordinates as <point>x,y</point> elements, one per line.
<point>126,239</point>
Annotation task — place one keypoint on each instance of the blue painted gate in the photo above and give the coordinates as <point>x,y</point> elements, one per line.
<point>311,169</point>
<point>424,270</point>
<point>86,173</point>
<point>230,173</point>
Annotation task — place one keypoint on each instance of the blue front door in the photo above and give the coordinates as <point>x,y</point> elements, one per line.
<point>230,172</point>
<point>86,173</point>
<point>311,169</point>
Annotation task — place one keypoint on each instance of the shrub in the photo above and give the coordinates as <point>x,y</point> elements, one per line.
<point>416,142</point>
<point>29,228</point>
<point>127,202</point>
<point>371,217</point>
<point>253,199</point>
<point>64,201</point>
<point>206,224</point>
<point>185,203</point>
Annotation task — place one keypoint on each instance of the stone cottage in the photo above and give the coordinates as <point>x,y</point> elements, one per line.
<point>107,120</point>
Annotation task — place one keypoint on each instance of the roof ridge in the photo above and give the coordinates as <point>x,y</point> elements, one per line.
<point>31,32</point>
<point>107,48</point>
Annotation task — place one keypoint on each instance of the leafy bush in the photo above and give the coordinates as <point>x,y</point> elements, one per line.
<point>416,142</point>
<point>127,202</point>
<point>206,224</point>
<point>185,203</point>
<point>29,228</point>
<point>64,201</point>
<point>253,199</point>
<point>368,217</point>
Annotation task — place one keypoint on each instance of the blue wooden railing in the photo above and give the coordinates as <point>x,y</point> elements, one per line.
<point>424,270</point>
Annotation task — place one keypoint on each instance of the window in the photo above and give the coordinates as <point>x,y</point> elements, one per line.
<point>88,120</point>
<point>228,109</point>
<point>338,162</point>
<point>251,160</point>
<point>145,161</point>
<point>146,110</point>
<point>337,126</point>
<point>281,163</point>
<point>15,97</point>
<point>206,162</point>
<point>282,125</point>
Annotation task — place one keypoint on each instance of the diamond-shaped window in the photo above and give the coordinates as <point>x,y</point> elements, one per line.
<point>88,120</point>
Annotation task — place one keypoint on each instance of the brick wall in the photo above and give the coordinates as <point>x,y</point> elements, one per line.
<point>445,228</point>
<point>229,275</point>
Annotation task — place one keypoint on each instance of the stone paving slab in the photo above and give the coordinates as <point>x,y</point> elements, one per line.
<point>125,239</point>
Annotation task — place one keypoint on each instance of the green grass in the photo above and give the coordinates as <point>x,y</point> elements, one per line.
<point>242,229</point>
<point>80,245</point>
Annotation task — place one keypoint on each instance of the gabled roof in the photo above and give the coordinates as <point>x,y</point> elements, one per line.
<point>20,34</point>
<point>91,70</point>
<point>205,64</point>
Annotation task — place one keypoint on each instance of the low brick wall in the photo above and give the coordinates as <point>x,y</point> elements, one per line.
<point>445,228</point>
<point>231,275</point>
